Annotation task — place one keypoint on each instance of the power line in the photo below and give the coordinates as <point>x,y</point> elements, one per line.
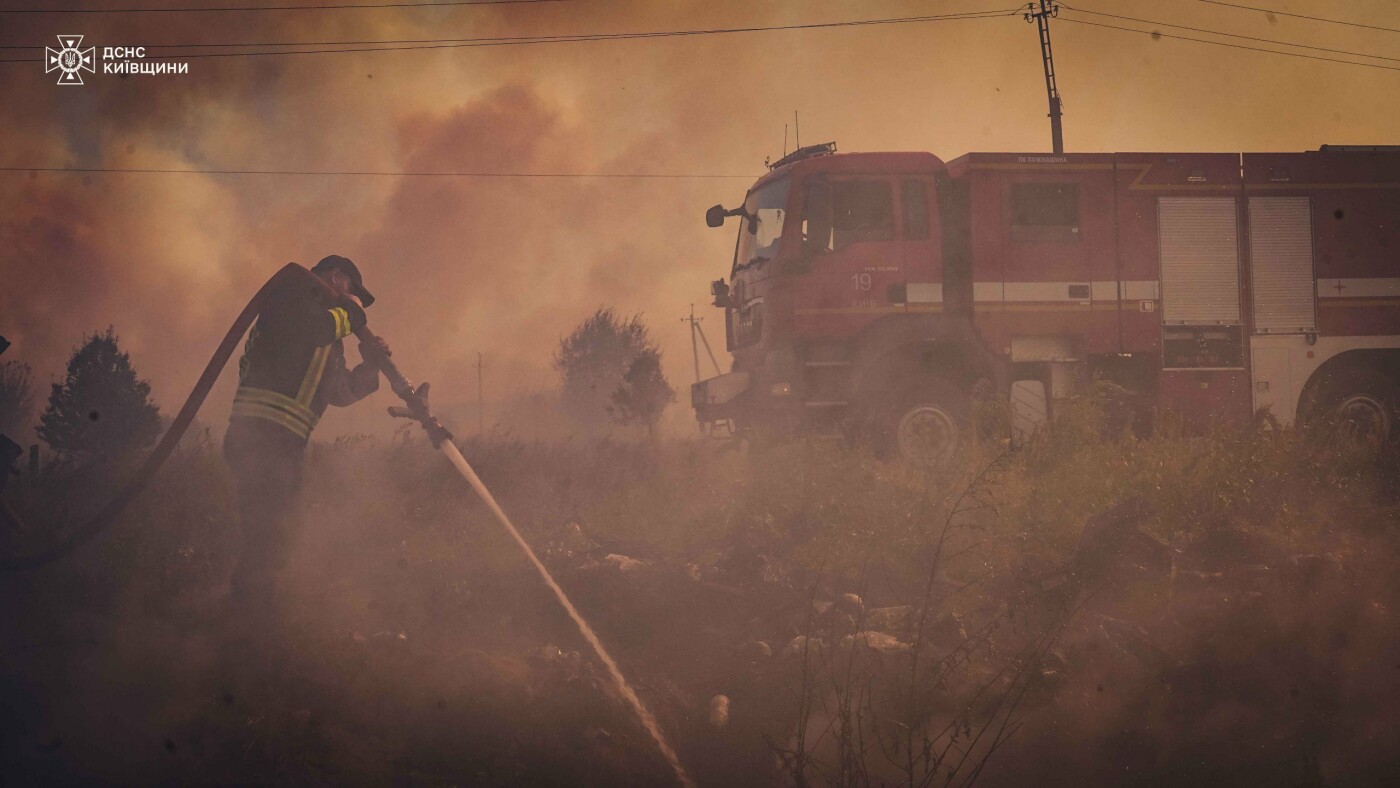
<point>393,45</point>
<point>1229,35</point>
<point>380,173</point>
<point>569,38</point>
<point>199,45</point>
<point>1302,16</point>
<point>1156,34</point>
<point>347,7</point>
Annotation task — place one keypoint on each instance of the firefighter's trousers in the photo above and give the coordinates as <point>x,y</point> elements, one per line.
<point>266,461</point>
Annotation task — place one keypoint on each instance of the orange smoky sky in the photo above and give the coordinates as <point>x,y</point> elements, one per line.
<point>505,266</point>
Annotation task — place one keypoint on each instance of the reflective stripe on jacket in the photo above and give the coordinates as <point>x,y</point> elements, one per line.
<point>293,362</point>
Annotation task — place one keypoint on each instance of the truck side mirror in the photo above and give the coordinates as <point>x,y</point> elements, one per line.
<point>714,217</point>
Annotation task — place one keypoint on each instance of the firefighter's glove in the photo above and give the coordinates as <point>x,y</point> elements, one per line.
<point>364,380</point>
<point>376,346</point>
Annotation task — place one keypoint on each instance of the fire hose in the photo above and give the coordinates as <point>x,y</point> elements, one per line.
<point>108,514</point>
<point>415,407</point>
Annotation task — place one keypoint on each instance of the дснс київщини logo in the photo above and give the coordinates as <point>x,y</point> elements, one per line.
<point>69,60</point>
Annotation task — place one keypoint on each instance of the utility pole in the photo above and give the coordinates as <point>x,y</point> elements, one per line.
<point>1042,11</point>
<point>694,348</point>
<point>697,329</point>
<point>480,397</point>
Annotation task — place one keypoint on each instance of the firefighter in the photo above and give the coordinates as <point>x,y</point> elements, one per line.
<point>293,366</point>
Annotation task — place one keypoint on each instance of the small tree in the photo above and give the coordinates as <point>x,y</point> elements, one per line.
<point>644,392</point>
<point>101,409</point>
<point>594,360</point>
<point>16,397</point>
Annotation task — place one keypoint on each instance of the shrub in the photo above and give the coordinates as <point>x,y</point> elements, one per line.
<point>101,409</point>
<point>611,369</point>
<point>644,392</point>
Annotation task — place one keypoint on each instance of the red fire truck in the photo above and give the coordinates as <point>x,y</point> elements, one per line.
<point>889,291</point>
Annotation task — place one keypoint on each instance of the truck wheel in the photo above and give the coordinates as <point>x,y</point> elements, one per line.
<point>922,425</point>
<point>1361,409</point>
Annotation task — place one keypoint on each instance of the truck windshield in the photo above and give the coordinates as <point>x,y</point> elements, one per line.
<point>758,240</point>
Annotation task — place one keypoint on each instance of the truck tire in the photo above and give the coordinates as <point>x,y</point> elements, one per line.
<point>1360,407</point>
<point>922,424</point>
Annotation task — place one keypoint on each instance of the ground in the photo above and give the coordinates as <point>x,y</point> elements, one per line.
<point>1092,608</point>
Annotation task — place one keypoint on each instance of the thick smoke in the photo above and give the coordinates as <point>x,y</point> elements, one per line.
<point>506,266</point>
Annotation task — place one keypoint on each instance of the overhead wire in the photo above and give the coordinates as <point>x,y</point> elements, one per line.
<point>380,173</point>
<point>1228,35</point>
<point>1158,34</point>
<point>1277,12</point>
<point>256,8</point>
<point>394,46</point>
<point>218,44</point>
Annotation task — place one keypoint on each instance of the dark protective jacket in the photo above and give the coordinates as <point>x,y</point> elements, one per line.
<point>293,364</point>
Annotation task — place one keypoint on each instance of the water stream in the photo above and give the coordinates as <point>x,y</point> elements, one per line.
<point>643,714</point>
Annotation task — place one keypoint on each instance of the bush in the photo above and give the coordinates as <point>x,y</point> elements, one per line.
<point>101,410</point>
<point>644,392</point>
<point>611,370</point>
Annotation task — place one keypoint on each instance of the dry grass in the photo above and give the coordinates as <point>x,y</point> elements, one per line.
<point>392,542</point>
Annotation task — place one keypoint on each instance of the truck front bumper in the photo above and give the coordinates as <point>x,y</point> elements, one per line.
<point>718,399</point>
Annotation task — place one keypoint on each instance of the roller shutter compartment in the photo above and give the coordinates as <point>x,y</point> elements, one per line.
<point>1281,260</point>
<point>1199,249</point>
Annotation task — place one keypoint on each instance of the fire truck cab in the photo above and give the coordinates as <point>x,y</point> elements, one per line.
<point>888,291</point>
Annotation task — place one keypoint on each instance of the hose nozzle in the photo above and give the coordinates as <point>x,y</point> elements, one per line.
<point>415,398</point>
